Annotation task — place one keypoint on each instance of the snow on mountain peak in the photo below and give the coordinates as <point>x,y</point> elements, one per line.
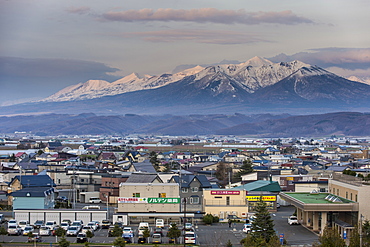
<point>257,62</point>
<point>251,75</point>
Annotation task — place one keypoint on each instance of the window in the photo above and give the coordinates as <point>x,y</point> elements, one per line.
<point>356,198</point>
<point>346,194</point>
<point>135,194</point>
<point>351,196</point>
<point>228,200</point>
<point>194,189</point>
<point>322,190</point>
<point>337,192</point>
<point>184,190</point>
<point>194,200</point>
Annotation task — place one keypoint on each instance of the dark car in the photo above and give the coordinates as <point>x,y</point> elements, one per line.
<point>127,238</point>
<point>141,240</point>
<point>81,238</point>
<point>38,223</point>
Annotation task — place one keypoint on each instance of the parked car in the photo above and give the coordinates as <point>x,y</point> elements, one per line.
<point>94,200</point>
<point>51,224</point>
<point>27,230</point>
<point>14,230</point>
<point>247,228</point>
<point>78,224</point>
<point>64,225</point>
<point>141,240</point>
<point>142,227</point>
<point>127,230</point>
<point>159,223</point>
<point>82,238</point>
<point>38,224</point>
<point>105,224</point>
<point>190,238</point>
<point>23,223</point>
<point>156,238</point>
<point>87,228</point>
<point>293,220</point>
<point>73,231</point>
<point>44,231</point>
<point>35,238</point>
<point>93,225</point>
<point>158,230</point>
<point>188,226</point>
<point>128,238</point>
<point>12,222</point>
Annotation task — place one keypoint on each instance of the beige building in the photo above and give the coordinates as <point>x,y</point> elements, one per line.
<point>353,189</point>
<point>221,203</point>
<point>148,198</point>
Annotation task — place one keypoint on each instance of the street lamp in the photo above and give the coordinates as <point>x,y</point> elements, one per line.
<point>107,196</point>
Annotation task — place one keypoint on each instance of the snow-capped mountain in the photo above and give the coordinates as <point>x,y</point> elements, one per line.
<point>96,89</point>
<point>365,80</point>
<point>250,76</point>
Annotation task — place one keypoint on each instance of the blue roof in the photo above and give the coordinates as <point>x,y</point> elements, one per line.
<point>34,181</point>
<point>33,192</point>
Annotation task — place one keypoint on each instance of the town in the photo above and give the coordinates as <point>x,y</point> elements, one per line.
<point>160,182</point>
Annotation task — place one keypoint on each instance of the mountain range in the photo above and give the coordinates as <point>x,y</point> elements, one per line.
<point>255,86</point>
<point>255,125</point>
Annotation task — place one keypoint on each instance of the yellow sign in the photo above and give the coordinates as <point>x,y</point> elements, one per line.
<point>264,198</point>
<point>290,178</point>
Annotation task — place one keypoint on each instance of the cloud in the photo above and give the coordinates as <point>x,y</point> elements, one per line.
<point>206,15</point>
<point>199,36</point>
<point>43,67</point>
<point>78,10</point>
<point>26,78</point>
<point>345,58</point>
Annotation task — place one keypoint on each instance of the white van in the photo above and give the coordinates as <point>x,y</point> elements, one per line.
<point>94,200</point>
<point>142,227</point>
<point>159,223</point>
<point>90,207</point>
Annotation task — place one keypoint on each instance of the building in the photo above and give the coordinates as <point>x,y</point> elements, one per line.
<point>222,203</point>
<point>33,198</point>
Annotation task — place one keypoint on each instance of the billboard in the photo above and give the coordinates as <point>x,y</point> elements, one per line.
<point>148,200</point>
<point>264,198</point>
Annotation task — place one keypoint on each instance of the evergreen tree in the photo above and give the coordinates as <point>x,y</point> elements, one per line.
<point>3,232</point>
<point>119,242</point>
<point>331,238</point>
<point>263,224</point>
<point>355,238</point>
<point>246,168</point>
<point>117,231</point>
<point>174,232</point>
<point>63,242</point>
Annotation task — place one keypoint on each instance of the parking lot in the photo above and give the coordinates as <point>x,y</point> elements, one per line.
<point>215,235</point>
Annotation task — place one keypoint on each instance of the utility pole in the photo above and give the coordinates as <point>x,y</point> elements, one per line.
<point>184,219</point>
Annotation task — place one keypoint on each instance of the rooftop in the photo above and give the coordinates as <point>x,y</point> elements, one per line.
<point>315,198</point>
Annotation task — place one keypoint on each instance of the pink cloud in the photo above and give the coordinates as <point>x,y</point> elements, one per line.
<point>78,10</point>
<point>207,15</point>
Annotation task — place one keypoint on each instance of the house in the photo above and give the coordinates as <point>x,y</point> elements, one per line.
<point>144,178</point>
<point>33,198</point>
<point>192,187</point>
<point>110,185</point>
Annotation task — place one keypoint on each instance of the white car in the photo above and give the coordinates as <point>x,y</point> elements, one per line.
<point>247,228</point>
<point>51,224</point>
<point>93,225</point>
<point>27,230</point>
<point>44,231</point>
<point>127,230</point>
<point>293,220</point>
<point>23,223</point>
<point>190,238</point>
<point>87,228</point>
<point>12,222</point>
<point>94,200</point>
<point>64,225</point>
<point>14,230</point>
<point>73,231</point>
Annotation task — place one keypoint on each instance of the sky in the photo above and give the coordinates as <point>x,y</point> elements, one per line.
<point>47,45</point>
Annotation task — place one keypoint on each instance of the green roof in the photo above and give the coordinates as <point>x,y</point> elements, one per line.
<point>315,198</point>
<point>261,185</point>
